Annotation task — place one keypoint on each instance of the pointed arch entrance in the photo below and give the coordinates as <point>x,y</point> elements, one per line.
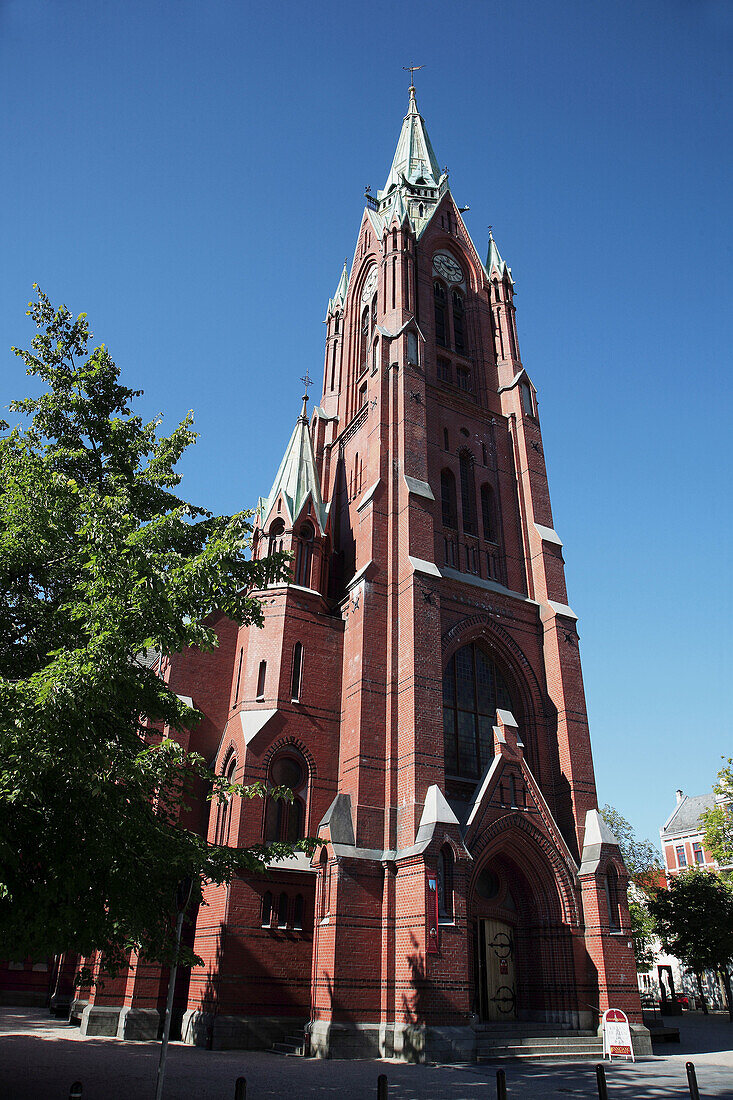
<point>522,914</point>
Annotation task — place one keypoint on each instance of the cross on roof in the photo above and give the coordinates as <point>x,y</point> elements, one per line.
<point>307,381</point>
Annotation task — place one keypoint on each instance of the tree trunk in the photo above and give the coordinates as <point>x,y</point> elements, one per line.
<point>726,985</point>
<point>698,975</point>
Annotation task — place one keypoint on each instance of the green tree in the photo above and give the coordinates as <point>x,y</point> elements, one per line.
<point>694,920</point>
<point>718,821</point>
<point>642,861</point>
<point>99,561</point>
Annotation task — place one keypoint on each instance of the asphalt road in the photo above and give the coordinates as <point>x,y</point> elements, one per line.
<point>40,1058</point>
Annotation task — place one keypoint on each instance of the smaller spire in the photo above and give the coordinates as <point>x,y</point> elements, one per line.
<point>339,299</point>
<point>297,477</point>
<point>493,259</point>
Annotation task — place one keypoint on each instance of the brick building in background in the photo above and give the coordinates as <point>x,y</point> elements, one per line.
<point>417,684</point>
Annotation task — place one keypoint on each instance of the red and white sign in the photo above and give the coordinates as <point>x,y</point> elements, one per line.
<point>617,1035</point>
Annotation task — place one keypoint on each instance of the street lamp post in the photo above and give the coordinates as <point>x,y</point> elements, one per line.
<point>183,896</point>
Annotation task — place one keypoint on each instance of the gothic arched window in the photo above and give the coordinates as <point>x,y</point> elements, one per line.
<point>304,555</point>
<point>277,530</point>
<point>285,820</point>
<point>439,313</point>
<point>473,690</point>
<point>468,493</point>
<point>459,338</point>
<point>488,513</point>
<point>298,911</point>
<point>614,919</point>
<point>448,498</point>
<point>526,392</point>
<point>445,884</point>
<point>364,345</point>
<point>266,917</point>
<point>224,809</point>
<point>296,679</point>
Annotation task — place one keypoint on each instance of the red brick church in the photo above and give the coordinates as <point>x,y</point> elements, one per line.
<point>417,684</point>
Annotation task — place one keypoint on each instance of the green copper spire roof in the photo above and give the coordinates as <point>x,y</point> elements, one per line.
<point>494,260</point>
<point>414,157</point>
<point>415,183</point>
<point>297,476</point>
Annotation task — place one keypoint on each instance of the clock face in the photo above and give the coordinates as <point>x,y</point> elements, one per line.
<point>448,267</point>
<point>370,284</point>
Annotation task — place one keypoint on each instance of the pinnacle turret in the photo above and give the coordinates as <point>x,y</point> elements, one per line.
<point>297,477</point>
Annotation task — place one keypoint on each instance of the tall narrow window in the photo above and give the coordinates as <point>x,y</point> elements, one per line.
<point>224,809</point>
<point>364,340</point>
<point>239,677</point>
<point>439,311</point>
<point>445,373</point>
<point>282,910</point>
<point>446,442</point>
<point>448,498</point>
<point>412,348</point>
<point>488,513</point>
<point>298,911</point>
<point>333,364</point>
<point>304,556</point>
<point>445,884</point>
<point>614,919</point>
<point>375,355</point>
<point>297,677</point>
<point>261,673</point>
<point>459,338</point>
<point>266,909</point>
<point>526,392</point>
<point>323,868</point>
<point>468,493</point>
<point>277,530</point>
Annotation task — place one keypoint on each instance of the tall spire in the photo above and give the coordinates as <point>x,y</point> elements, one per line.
<point>415,183</point>
<point>414,157</point>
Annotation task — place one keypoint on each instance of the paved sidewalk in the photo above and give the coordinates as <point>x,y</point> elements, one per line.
<point>40,1058</point>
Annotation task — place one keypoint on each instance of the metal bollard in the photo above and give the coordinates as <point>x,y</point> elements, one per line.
<point>601,1080</point>
<point>382,1086</point>
<point>692,1081</point>
<point>240,1089</point>
<point>500,1085</point>
<point>75,1091</point>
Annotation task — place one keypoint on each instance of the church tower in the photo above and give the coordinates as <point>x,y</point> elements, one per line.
<point>417,683</point>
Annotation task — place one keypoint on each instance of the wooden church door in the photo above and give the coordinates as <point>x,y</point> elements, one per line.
<point>499,1000</point>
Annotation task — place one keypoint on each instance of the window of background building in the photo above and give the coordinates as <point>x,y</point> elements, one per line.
<point>697,852</point>
<point>681,857</point>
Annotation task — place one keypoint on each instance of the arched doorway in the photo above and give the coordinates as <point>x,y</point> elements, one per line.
<point>523,941</point>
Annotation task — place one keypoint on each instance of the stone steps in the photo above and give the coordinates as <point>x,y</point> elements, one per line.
<point>292,1046</point>
<point>571,1046</point>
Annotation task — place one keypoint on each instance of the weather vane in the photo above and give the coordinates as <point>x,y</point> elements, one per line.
<point>307,381</point>
<point>411,69</point>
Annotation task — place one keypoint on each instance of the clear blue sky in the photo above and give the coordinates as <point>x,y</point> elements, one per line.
<point>191,175</point>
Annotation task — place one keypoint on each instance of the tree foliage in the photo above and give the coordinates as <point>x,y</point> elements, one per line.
<point>718,821</point>
<point>694,920</point>
<point>100,560</point>
<point>641,857</point>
